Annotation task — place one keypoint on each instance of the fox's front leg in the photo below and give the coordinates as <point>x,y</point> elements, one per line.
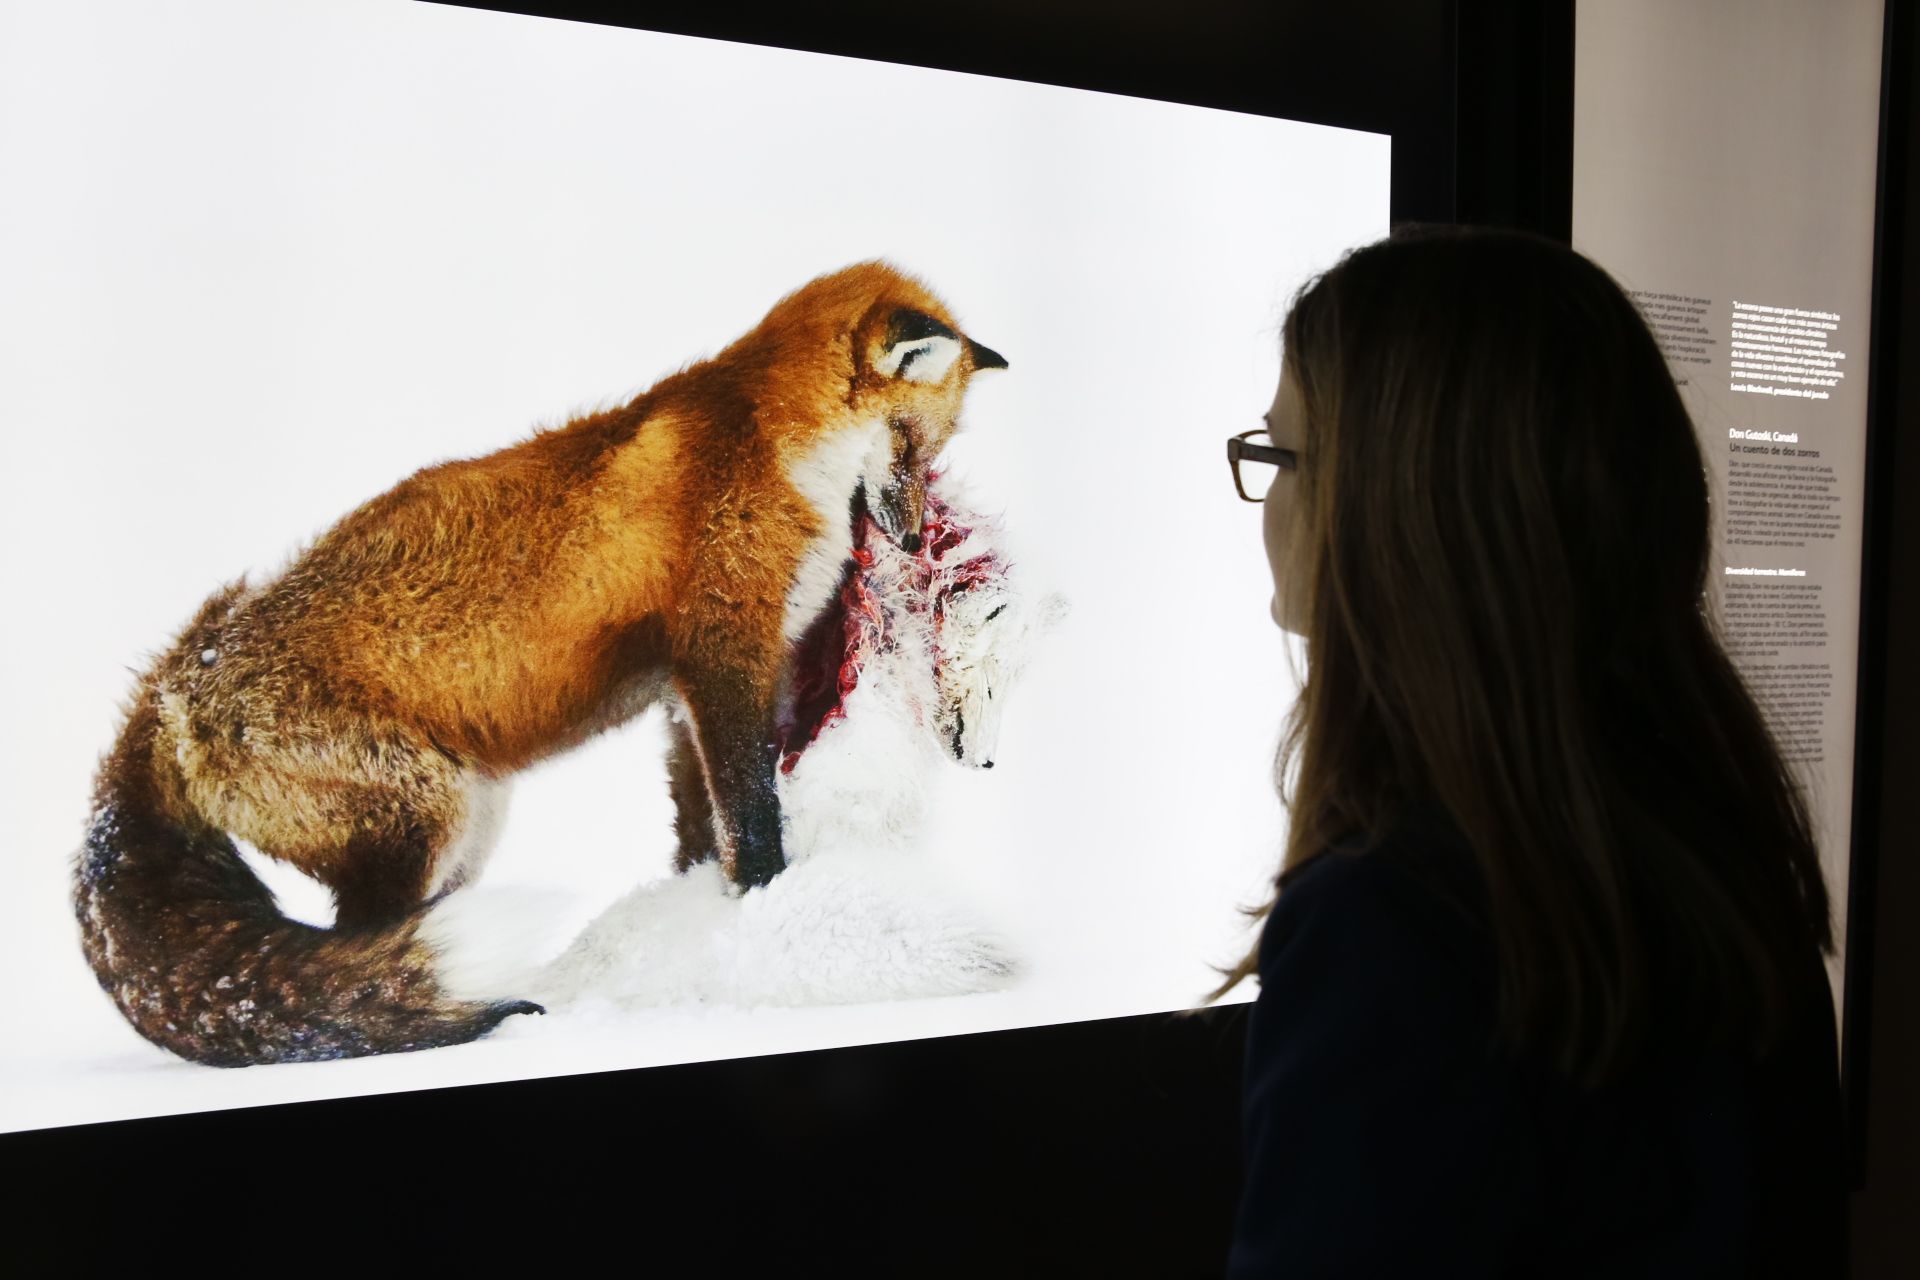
<point>732,713</point>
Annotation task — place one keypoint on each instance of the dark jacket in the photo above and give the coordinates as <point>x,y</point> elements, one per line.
<point>1385,1136</point>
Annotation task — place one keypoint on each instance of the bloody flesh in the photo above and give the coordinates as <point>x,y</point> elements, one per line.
<point>857,624</point>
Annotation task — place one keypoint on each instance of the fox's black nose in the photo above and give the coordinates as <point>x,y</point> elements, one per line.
<point>986,764</point>
<point>911,543</point>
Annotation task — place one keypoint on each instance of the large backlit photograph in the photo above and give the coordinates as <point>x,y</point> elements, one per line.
<point>540,548</point>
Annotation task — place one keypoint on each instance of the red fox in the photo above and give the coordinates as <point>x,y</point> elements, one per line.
<point>357,715</point>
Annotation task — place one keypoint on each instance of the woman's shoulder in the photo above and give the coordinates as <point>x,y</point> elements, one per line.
<point>1422,841</point>
<point>1415,889</point>
<point>1383,1132</point>
<point>1384,943</point>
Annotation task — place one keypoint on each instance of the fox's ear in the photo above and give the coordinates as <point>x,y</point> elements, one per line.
<point>918,347</point>
<point>985,357</point>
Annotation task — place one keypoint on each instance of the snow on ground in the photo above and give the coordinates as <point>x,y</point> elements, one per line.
<point>745,1005</point>
<point>829,931</point>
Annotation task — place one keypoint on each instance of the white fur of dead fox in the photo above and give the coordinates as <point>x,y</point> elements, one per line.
<point>356,715</point>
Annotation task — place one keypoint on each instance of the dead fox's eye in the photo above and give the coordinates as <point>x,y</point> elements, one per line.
<point>906,361</point>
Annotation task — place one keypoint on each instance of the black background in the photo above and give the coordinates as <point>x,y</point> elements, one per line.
<point>1881,1037</point>
<point>1104,1148</point>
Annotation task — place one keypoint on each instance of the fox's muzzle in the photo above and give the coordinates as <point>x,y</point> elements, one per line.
<point>901,511</point>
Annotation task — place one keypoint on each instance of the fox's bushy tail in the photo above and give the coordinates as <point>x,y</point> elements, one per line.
<point>193,950</point>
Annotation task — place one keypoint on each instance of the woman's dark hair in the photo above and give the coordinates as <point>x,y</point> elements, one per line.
<point>1502,515</point>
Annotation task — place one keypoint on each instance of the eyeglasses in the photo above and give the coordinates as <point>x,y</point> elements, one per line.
<point>1269,460</point>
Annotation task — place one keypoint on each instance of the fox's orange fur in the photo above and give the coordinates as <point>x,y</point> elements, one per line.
<point>356,715</point>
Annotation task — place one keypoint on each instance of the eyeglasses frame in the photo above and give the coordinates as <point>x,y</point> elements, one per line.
<point>1239,448</point>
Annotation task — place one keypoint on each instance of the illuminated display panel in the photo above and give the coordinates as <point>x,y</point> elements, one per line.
<point>280,258</point>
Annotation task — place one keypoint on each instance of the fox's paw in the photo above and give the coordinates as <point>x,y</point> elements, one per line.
<point>970,960</point>
<point>989,960</point>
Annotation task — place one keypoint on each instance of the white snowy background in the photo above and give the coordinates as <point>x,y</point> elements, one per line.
<point>259,262</point>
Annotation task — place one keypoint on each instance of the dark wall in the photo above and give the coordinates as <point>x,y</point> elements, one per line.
<point>1095,1149</point>
<point>1883,1035</point>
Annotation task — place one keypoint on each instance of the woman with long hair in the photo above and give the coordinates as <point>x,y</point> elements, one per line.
<point>1541,990</point>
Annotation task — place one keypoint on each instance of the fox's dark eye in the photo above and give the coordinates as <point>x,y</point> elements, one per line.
<point>908,359</point>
